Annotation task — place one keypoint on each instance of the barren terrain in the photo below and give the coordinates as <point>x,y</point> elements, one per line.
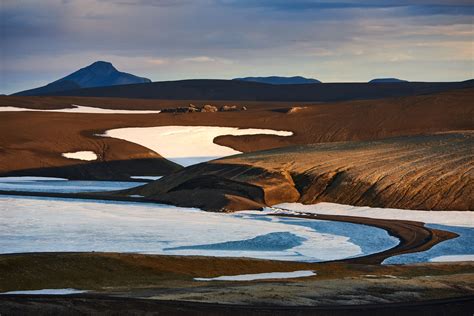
<point>32,143</point>
<point>431,172</point>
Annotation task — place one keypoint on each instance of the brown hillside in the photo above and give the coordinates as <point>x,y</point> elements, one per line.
<point>432,172</point>
<point>32,142</point>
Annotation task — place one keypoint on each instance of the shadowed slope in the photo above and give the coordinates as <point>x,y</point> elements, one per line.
<point>34,140</point>
<point>98,74</point>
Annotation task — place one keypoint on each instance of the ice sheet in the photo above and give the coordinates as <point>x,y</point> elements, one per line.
<point>45,224</point>
<point>462,246</point>
<point>59,185</point>
<point>186,145</point>
<point>46,292</point>
<point>261,276</point>
<point>78,109</point>
<point>81,155</point>
<point>450,218</point>
<point>146,177</point>
<point>29,178</point>
<point>453,258</point>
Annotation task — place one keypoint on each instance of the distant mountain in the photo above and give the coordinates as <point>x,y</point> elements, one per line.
<point>280,80</point>
<point>236,90</point>
<point>386,80</point>
<point>99,74</point>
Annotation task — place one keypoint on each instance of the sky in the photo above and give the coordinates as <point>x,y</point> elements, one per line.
<point>333,41</point>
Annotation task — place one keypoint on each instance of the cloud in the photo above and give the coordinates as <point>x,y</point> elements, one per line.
<point>155,3</point>
<point>435,7</point>
<point>165,39</point>
<point>157,61</point>
<point>198,59</point>
<point>205,59</point>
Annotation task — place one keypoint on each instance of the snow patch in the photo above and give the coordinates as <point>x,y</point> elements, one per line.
<point>81,155</point>
<point>146,177</point>
<point>186,145</point>
<point>451,218</point>
<point>78,109</point>
<point>29,179</point>
<point>261,276</point>
<point>453,258</point>
<point>46,292</point>
<point>34,224</point>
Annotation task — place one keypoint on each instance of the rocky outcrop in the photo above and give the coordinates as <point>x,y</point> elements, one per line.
<point>430,172</point>
<point>221,187</point>
<point>207,108</point>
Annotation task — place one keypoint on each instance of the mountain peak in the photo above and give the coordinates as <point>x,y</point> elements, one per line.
<point>102,73</point>
<point>100,66</point>
<point>102,62</point>
<point>98,74</point>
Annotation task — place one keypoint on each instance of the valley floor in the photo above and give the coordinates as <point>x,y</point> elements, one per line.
<point>71,244</point>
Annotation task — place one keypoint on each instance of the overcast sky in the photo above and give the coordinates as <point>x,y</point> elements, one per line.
<point>333,41</point>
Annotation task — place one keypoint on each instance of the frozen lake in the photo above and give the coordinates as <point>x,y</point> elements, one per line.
<point>457,249</point>
<point>461,223</point>
<point>59,185</point>
<point>30,224</point>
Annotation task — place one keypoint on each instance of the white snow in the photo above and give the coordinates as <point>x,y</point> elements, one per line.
<point>453,258</point>
<point>81,155</point>
<point>78,109</point>
<point>33,224</point>
<point>186,145</point>
<point>29,179</point>
<point>136,196</point>
<point>451,218</point>
<point>146,177</point>
<point>261,276</point>
<point>47,292</point>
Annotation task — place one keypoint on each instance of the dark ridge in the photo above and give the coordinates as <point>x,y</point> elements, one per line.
<point>209,89</point>
<point>386,80</point>
<point>120,170</point>
<point>53,87</point>
<point>279,80</point>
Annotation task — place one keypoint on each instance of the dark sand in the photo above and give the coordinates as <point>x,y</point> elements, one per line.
<point>32,142</point>
<point>338,287</point>
<point>428,172</point>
